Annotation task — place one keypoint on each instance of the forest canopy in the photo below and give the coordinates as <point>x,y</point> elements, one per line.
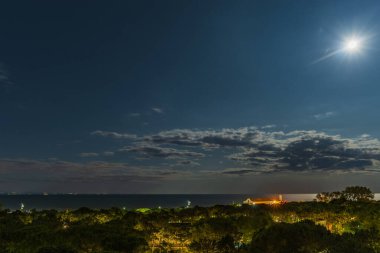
<point>348,223</point>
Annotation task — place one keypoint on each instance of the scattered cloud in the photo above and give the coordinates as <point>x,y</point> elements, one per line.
<point>268,126</point>
<point>4,77</point>
<point>325,115</point>
<point>150,151</point>
<point>187,163</point>
<point>205,138</point>
<point>114,135</point>
<point>158,110</point>
<point>239,171</point>
<point>85,155</point>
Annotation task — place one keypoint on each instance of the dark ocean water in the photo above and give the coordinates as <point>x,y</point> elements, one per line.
<point>61,202</point>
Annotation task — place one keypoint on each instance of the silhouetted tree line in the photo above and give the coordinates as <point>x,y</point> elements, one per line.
<point>351,193</point>
<point>339,225</point>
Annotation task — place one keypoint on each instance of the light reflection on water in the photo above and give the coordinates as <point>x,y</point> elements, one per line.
<point>310,197</point>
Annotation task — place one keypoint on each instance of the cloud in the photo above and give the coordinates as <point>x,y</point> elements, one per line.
<point>158,110</point>
<point>263,150</point>
<point>268,126</point>
<point>271,151</point>
<point>312,152</point>
<point>150,151</point>
<point>3,73</point>
<point>5,82</point>
<point>88,155</point>
<point>239,171</point>
<point>325,115</point>
<point>114,135</point>
<point>187,163</point>
<point>205,138</point>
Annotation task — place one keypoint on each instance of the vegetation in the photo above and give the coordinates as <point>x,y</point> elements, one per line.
<point>346,224</point>
<point>351,193</point>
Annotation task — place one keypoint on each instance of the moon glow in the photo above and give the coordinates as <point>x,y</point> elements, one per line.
<point>352,45</point>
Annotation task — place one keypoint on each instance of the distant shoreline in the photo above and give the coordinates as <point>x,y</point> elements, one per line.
<point>134,201</point>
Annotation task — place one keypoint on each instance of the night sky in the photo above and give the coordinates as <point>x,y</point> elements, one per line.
<point>189,96</point>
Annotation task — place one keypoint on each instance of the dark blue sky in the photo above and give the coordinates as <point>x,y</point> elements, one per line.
<point>188,96</point>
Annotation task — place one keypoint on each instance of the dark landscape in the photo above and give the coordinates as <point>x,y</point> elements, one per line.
<point>346,221</point>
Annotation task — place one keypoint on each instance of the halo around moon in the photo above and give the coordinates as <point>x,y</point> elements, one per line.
<point>349,46</point>
<point>352,45</point>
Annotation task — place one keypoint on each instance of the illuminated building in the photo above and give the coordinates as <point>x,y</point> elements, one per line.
<point>265,201</point>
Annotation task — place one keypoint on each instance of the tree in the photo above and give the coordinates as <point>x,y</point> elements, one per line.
<point>250,225</point>
<point>323,197</point>
<point>351,193</point>
<point>358,193</point>
<point>209,235</point>
<point>56,250</point>
<point>329,196</point>
<point>305,237</point>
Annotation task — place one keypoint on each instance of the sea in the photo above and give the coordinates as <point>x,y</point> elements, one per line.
<point>131,201</point>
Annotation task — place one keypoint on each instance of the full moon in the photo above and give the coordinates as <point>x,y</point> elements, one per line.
<point>352,45</point>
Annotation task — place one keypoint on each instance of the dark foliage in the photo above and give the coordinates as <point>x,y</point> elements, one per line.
<point>343,225</point>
